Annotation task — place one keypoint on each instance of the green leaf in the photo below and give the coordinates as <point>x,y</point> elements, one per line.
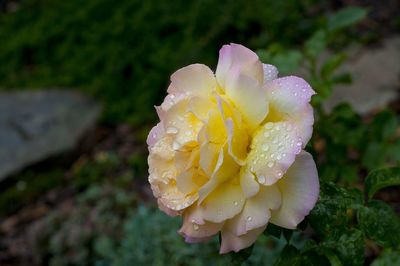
<point>332,64</point>
<point>290,256</point>
<point>349,247</point>
<point>380,223</point>
<point>387,258</point>
<point>334,210</point>
<point>384,125</point>
<point>315,44</point>
<point>346,17</point>
<point>344,78</point>
<point>381,178</point>
<point>287,61</point>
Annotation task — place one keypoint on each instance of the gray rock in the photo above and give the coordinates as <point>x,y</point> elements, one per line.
<point>38,124</point>
<point>376,77</point>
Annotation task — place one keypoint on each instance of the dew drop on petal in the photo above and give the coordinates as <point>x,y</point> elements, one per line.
<point>195,227</point>
<point>235,203</point>
<point>249,218</point>
<point>265,147</point>
<point>172,130</point>
<point>261,178</point>
<point>269,125</point>
<point>270,164</point>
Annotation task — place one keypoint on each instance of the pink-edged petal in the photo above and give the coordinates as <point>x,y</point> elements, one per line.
<point>238,56</point>
<point>299,189</point>
<point>270,72</point>
<point>166,210</point>
<point>248,97</point>
<point>273,150</point>
<point>196,79</point>
<point>155,134</point>
<point>194,240</point>
<point>289,99</point>
<point>194,227</point>
<point>231,242</point>
<point>248,182</point>
<point>256,211</point>
<point>224,202</point>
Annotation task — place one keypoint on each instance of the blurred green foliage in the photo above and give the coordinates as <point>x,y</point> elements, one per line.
<point>123,52</point>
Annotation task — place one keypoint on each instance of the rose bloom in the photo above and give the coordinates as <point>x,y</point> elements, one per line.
<point>227,154</point>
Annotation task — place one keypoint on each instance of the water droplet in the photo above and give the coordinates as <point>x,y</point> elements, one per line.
<point>175,145</point>
<point>193,221</point>
<point>261,178</point>
<point>284,155</point>
<point>298,143</point>
<point>270,164</point>
<point>172,130</point>
<point>235,203</point>
<point>195,227</point>
<point>172,96</point>
<point>269,125</point>
<point>272,155</point>
<point>249,218</point>
<point>278,157</point>
<point>280,174</point>
<point>265,147</point>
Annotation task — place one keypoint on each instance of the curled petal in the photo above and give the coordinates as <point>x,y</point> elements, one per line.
<point>289,100</point>
<point>231,242</point>
<point>196,79</point>
<point>299,189</point>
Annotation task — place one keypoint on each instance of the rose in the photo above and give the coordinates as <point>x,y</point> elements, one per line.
<point>228,153</point>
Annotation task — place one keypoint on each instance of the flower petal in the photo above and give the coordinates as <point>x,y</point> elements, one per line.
<point>273,150</point>
<point>300,190</point>
<point>225,168</point>
<point>256,211</point>
<point>231,242</point>
<point>289,100</point>
<point>248,96</point>
<point>195,228</point>
<point>155,134</point>
<point>196,79</point>
<point>270,72</point>
<point>238,56</point>
<point>249,185</point>
<point>223,202</point>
